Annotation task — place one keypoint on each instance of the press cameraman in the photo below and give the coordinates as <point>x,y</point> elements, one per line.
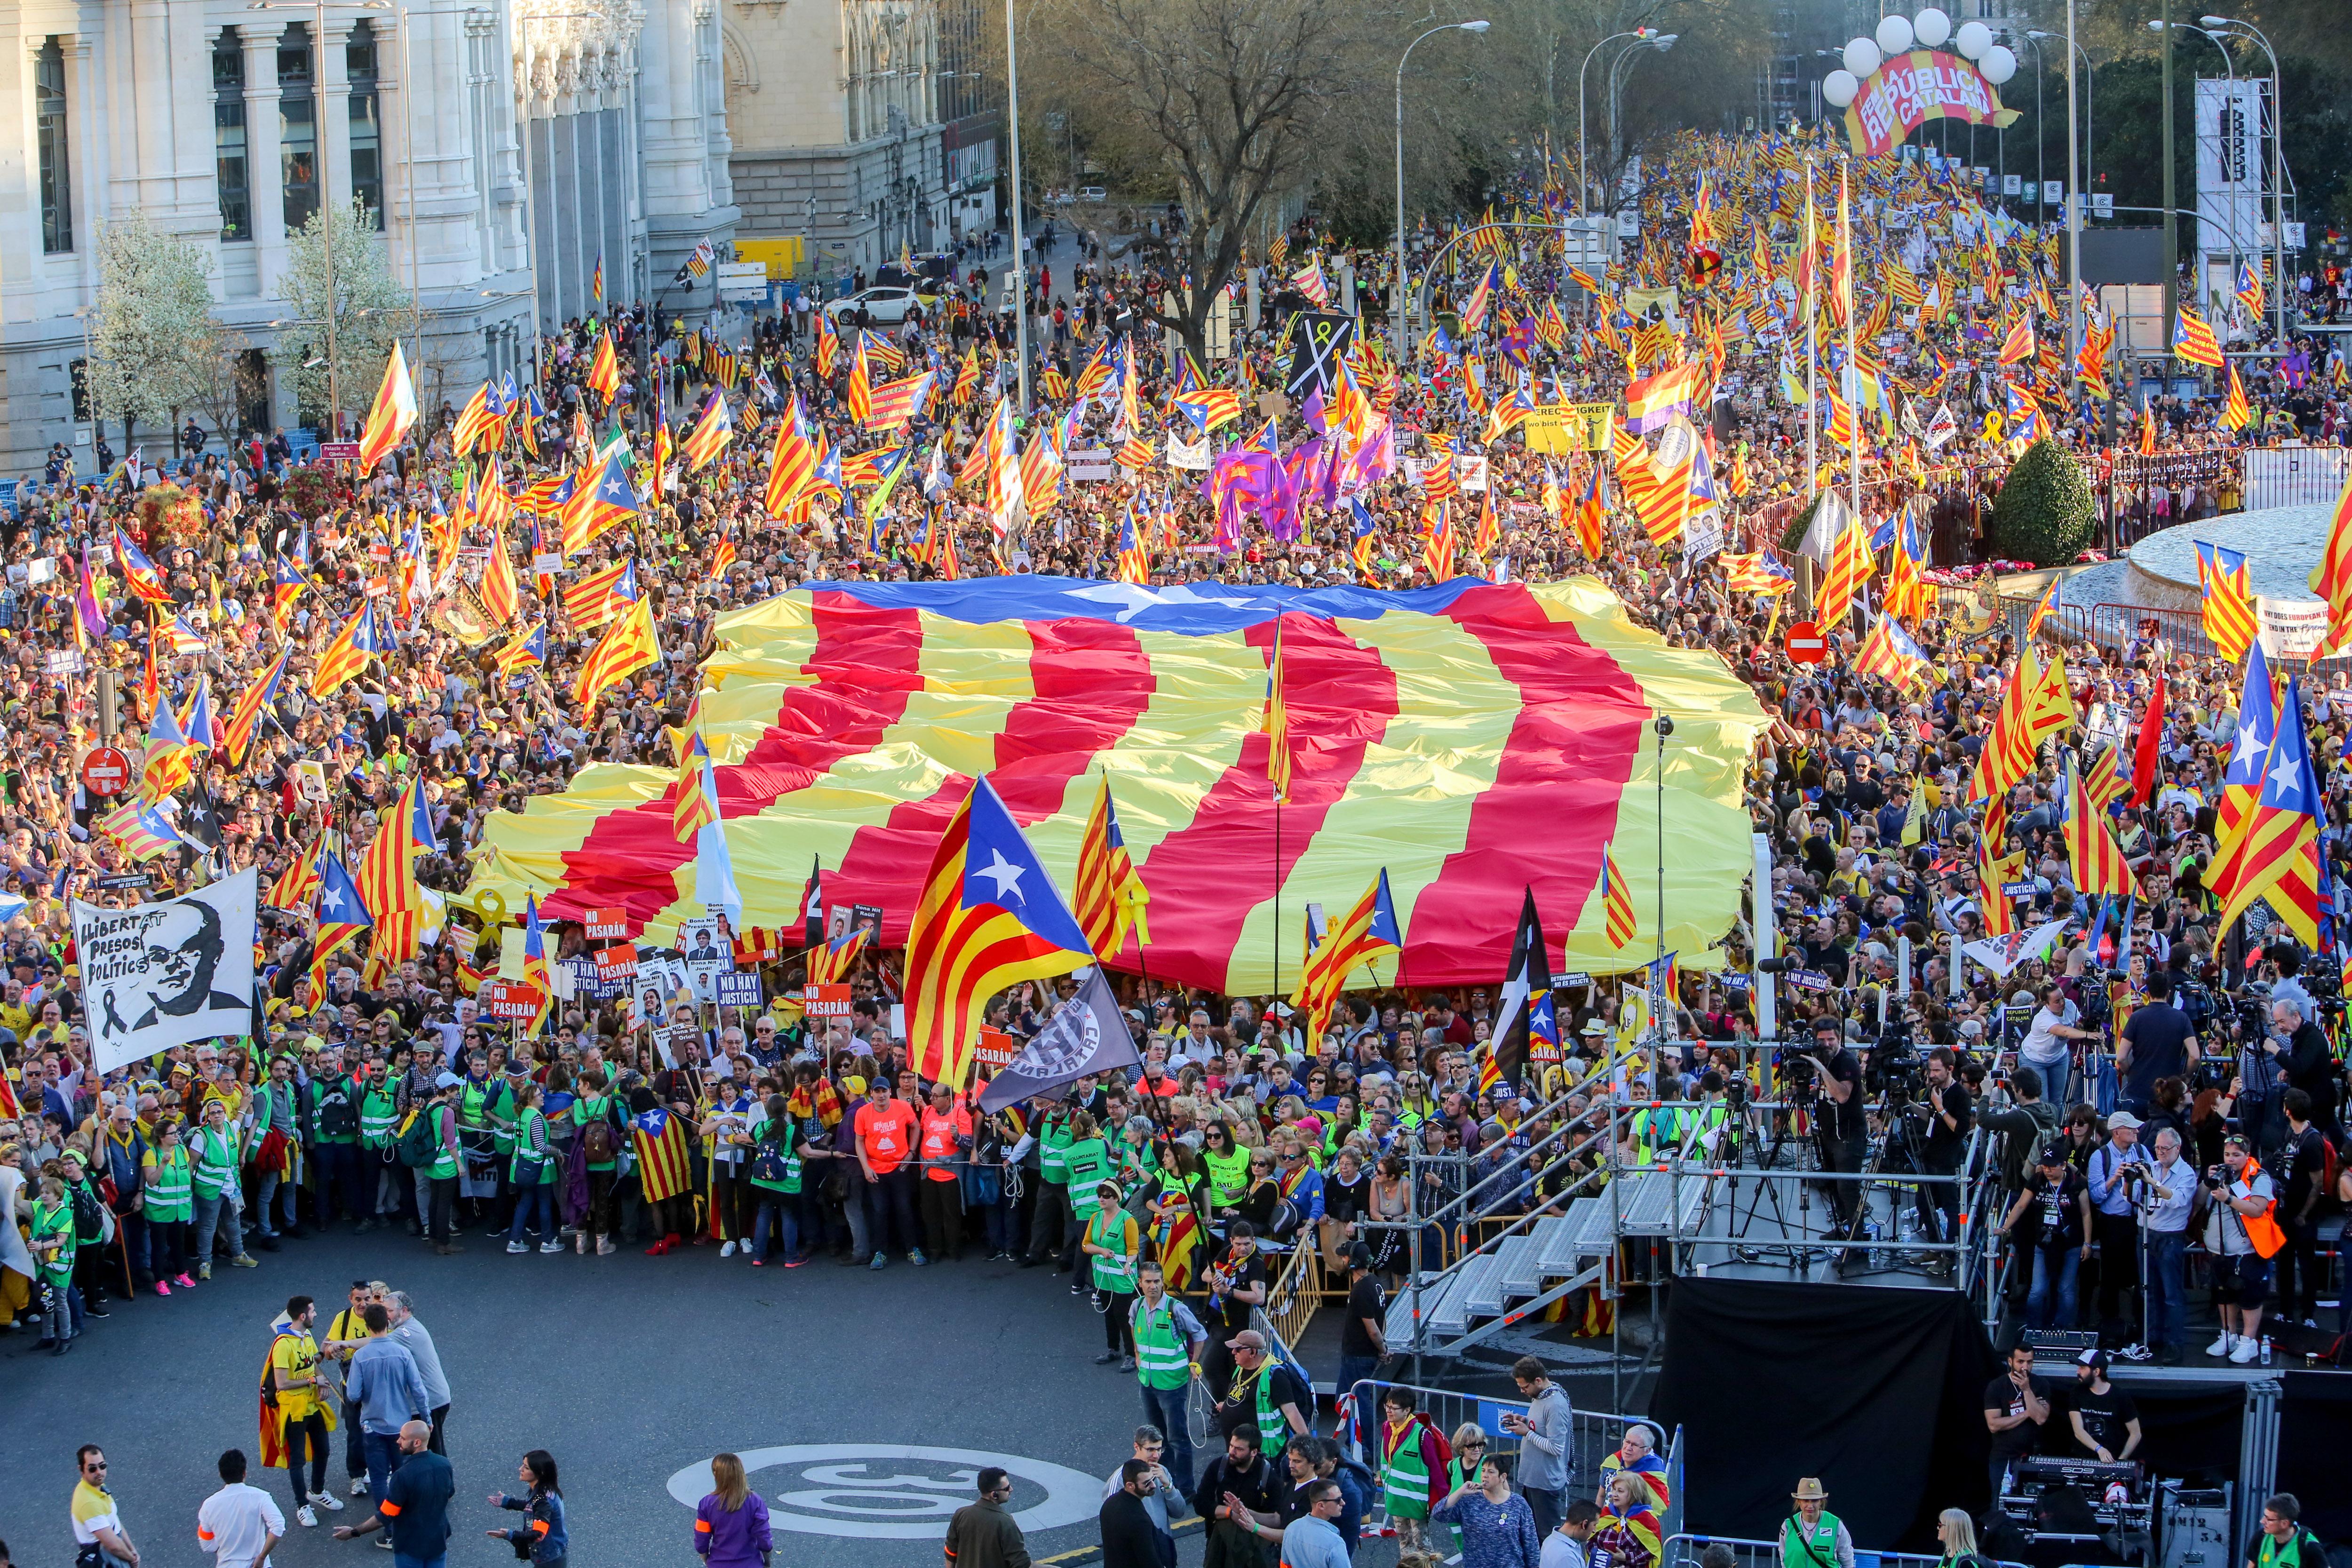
<point>2158,1042</point>
<point>1839,1125</point>
<point>1950,1115</point>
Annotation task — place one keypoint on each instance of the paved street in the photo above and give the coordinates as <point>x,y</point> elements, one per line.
<point>631,1370</point>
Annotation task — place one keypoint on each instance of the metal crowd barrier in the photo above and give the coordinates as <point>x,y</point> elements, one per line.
<point>1593,1435</point>
<point>1683,1551</point>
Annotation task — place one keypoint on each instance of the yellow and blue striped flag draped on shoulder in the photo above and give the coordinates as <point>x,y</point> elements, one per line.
<point>1616,902</point>
<point>990,917</point>
<point>1278,720</point>
<point>2224,580</point>
<point>1110,897</point>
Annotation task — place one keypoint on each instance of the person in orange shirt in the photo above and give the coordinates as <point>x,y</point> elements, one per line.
<point>886,1129</point>
<point>947,1144</point>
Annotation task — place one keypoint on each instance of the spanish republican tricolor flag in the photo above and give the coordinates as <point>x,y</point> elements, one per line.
<point>989,917</point>
<point>394,412</point>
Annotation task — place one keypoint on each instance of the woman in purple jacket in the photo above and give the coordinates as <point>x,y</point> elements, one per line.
<point>730,1525</point>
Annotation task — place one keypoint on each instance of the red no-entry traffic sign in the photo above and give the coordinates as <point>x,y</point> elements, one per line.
<point>1805,643</point>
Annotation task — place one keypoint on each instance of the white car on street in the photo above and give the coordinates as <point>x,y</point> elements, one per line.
<point>887,306</point>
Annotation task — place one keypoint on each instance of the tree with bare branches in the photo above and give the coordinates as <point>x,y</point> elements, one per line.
<point>1225,99</point>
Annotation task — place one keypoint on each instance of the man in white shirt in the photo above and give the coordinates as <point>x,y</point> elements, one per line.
<point>2048,1045</point>
<point>238,1524</point>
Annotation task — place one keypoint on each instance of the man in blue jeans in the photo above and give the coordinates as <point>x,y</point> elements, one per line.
<point>384,1381</point>
<point>2172,1191</point>
<point>1169,1341</point>
<point>414,1505</point>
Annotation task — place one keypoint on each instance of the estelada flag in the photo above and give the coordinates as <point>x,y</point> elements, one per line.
<point>660,1140</point>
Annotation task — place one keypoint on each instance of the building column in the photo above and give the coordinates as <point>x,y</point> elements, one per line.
<point>334,111</point>
<point>265,173</point>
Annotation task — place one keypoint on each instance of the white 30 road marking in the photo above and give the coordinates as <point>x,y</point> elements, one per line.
<point>895,1491</point>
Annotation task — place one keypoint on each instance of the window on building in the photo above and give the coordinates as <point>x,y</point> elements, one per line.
<point>49,130</point>
<point>298,126</point>
<point>367,136</point>
<point>228,136</point>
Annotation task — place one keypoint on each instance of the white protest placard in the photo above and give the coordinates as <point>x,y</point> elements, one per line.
<point>169,973</point>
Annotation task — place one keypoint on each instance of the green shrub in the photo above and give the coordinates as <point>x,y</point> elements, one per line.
<point>2043,511</point>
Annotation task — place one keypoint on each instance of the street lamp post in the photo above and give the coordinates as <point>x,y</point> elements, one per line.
<point>1020,273</point>
<point>1479,26</point>
<point>1661,42</point>
<point>1583,159</point>
<point>2090,103</point>
<point>2230,66</point>
<point>2231,27</point>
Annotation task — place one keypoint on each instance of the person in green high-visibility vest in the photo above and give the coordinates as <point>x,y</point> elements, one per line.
<point>54,1249</point>
<point>1813,1537</point>
<point>1050,1223</point>
<point>1113,1243</point>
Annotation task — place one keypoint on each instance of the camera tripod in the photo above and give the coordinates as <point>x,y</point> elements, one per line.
<point>1768,1192</point>
<point>1900,1151</point>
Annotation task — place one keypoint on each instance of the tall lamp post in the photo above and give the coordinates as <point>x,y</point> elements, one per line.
<point>2231,27</point>
<point>2090,102</point>
<point>1583,159</point>
<point>1020,274</point>
<point>1661,42</point>
<point>1477,26</point>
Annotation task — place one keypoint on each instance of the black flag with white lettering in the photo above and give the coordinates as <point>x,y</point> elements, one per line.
<point>813,906</point>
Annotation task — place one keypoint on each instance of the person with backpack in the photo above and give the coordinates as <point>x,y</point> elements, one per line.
<point>54,1247</point>
<point>2283,1543</point>
<point>533,1174</point>
<point>448,1158</point>
<point>93,1230</point>
<point>596,1159</point>
<point>775,1177</point>
<point>335,1142</point>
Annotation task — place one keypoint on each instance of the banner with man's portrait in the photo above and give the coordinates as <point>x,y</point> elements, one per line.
<point>165,973</point>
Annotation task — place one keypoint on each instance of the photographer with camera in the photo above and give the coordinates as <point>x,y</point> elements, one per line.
<point>2049,1044</point>
<point>2251,1238</point>
<point>2118,1167</point>
<point>2297,1048</point>
<point>1839,1125</point>
<point>2157,1042</point>
<point>1950,1116</point>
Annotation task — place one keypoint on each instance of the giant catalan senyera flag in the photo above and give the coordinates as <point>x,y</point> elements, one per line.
<point>1475,740</point>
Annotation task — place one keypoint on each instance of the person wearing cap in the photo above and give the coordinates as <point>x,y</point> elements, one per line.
<point>1112,1242</point>
<point>2104,1419</point>
<point>2118,1168</point>
<point>2051,1223</point>
<point>1811,1536</point>
<point>1363,1334</point>
<point>1265,1392</point>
